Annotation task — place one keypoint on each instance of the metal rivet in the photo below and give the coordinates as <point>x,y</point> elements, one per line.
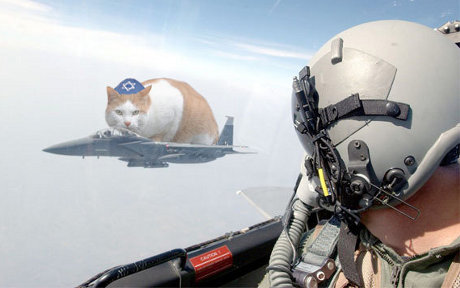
<point>409,161</point>
<point>320,275</point>
<point>357,144</point>
<point>392,109</point>
<point>363,158</point>
<point>330,265</point>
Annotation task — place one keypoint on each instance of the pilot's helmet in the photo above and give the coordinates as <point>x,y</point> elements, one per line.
<point>385,97</point>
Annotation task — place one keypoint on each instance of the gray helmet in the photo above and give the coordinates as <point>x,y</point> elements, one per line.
<point>378,109</point>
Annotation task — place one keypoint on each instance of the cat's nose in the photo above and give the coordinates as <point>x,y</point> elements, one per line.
<point>127,123</point>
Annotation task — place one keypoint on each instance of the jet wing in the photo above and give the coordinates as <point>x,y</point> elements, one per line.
<point>158,154</point>
<point>170,156</point>
<point>150,154</point>
<point>195,153</point>
<point>145,149</point>
<point>225,149</point>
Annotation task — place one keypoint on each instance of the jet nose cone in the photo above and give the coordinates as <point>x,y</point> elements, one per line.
<point>50,149</point>
<point>78,147</point>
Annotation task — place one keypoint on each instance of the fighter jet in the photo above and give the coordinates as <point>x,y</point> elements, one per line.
<point>139,151</point>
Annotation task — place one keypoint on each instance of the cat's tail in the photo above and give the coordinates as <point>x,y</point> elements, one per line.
<point>226,136</point>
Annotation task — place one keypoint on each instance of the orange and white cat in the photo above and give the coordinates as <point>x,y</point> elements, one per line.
<point>161,109</point>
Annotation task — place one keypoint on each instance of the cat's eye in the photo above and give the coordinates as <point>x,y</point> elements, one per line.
<point>118,112</point>
<point>135,112</point>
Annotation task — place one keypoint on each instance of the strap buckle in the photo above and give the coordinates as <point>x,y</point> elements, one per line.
<point>309,275</point>
<point>316,265</point>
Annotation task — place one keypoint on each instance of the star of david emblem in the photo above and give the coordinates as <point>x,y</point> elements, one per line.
<point>128,85</point>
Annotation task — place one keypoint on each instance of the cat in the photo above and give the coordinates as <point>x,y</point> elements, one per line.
<point>162,109</point>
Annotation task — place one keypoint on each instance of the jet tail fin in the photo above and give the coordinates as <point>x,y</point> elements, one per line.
<point>226,136</point>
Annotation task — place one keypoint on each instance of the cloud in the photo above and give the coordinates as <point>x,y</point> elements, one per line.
<point>25,4</point>
<point>234,56</point>
<point>31,26</point>
<point>269,51</point>
<point>27,27</point>
<point>230,46</point>
<point>446,13</point>
<point>274,7</point>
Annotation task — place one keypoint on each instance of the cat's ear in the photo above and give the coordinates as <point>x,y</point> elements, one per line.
<point>111,94</point>
<point>145,91</point>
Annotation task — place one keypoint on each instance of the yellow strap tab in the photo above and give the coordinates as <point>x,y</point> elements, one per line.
<point>323,182</point>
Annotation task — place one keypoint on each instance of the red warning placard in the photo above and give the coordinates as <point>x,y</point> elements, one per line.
<point>211,262</point>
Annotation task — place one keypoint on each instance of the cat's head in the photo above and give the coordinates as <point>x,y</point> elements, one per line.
<point>128,105</point>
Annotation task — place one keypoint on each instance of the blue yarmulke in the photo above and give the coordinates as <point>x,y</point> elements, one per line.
<point>129,86</point>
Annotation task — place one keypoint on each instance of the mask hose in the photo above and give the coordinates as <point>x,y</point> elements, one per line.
<point>282,255</point>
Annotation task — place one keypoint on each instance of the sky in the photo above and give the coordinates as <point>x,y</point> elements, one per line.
<point>64,219</point>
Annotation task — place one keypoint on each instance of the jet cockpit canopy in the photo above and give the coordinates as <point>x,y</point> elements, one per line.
<point>115,132</point>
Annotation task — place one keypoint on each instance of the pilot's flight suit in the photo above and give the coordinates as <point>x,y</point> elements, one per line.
<point>381,266</point>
